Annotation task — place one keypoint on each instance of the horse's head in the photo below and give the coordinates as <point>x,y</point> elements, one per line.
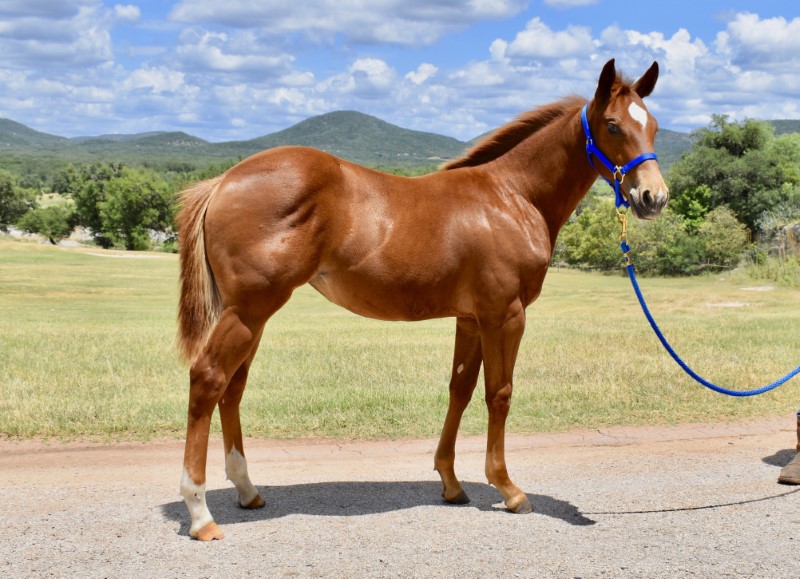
<point>623,130</point>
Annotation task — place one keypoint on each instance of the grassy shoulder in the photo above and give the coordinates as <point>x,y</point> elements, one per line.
<point>87,351</point>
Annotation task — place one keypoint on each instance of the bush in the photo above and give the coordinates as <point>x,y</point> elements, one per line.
<point>663,246</point>
<point>785,271</point>
<point>54,222</point>
<point>723,238</point>
<point>590,240</point>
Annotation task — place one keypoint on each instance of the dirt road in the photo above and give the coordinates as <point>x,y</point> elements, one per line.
<point>694,500</point>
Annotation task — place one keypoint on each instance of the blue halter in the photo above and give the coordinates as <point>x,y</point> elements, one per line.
<point>617,172</point>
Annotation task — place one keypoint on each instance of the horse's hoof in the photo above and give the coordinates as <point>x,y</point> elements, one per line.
<point>519,505</point>
<point>209,532</point>
<point>460,499</point>
<point>256,503</point>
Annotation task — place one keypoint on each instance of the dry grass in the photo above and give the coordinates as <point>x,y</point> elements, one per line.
<point>86,351</point>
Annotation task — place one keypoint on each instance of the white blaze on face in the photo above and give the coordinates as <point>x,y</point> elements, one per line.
<point>639,114</point>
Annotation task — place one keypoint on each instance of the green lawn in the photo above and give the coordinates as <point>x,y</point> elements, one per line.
<point>86,351</point>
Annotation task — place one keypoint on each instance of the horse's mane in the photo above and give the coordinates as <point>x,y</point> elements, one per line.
<point>509,136</point>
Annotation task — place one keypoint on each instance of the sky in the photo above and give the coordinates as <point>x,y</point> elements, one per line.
<point>238,69</point>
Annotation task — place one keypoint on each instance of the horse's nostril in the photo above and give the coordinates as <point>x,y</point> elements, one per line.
<point>647,198</point>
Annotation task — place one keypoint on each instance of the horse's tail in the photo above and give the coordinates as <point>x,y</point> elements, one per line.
<point>199,305</point>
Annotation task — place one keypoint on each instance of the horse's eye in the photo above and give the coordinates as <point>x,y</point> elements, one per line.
<point>613,129</point>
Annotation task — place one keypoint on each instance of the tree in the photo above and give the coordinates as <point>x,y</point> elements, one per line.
<point>136,203</point>
<point>53,222</point>
<point>693,205</point>
<point>14,200</point>
<point>741,165</point>
<point>86,184</point>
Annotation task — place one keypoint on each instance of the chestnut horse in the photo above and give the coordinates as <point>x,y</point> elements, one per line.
<point>472,241</point>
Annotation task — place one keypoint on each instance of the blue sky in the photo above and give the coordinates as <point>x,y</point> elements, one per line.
<point>238,69</point>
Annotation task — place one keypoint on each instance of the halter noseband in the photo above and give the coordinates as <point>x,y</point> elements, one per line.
<point>617,172</point>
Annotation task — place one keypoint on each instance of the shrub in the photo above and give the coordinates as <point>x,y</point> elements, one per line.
<point>53,222</point>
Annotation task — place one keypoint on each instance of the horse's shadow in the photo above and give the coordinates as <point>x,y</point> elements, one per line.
<point>780,458</point>
<point>352,499</point>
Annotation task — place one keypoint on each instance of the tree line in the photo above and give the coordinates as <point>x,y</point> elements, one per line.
<point>131,208</point>
<point>731,196</point>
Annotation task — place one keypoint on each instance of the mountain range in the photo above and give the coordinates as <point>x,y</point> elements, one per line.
<point>355,136</point>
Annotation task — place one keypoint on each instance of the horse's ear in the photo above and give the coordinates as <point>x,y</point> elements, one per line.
<point>607,78</point>
<point>645,85</point>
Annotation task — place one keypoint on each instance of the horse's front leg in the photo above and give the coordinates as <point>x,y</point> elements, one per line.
<point>500,344</point>
<point>466,366</point>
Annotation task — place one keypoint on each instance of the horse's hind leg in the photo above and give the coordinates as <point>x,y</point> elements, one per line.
<point>466,366</point>
<point>229,345</point>
<point>235,463</point>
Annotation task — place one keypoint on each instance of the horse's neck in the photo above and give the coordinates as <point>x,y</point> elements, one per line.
<point>550,169</point>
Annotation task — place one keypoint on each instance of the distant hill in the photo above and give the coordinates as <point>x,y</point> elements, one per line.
<point>670,146</point>
<point>785,126</point>
<point>16,135</point>
<point>351,135</point>
<point>348,134</point>
<point>365,139</point>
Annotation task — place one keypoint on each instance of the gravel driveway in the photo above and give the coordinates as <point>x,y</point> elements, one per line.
<point>694,500</point>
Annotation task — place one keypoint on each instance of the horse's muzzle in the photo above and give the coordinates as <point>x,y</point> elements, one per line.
<point>647,202</point>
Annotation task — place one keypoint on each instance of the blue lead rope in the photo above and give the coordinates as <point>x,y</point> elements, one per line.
<point>618,174</point>
<point>632,274</point>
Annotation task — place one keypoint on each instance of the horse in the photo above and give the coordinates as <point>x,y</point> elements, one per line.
<point>471,241</point>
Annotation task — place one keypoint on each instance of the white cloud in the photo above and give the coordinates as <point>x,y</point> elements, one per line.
<point>539,41</point>
<point>371,78</point>
<point>680,54</point>
<point>74,34</point>
<point>752,43</point>
<point>424,72</point>
<point>210,51</point>
<point>403,22</point>
<point>128,12</point>
<point>156,80</point>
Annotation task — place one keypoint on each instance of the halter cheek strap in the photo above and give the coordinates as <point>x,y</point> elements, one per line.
<point>616,171</point>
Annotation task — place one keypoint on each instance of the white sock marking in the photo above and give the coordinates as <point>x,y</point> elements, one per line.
<point>639,114</point>
<point>195,497</point>
<point>236,469</point>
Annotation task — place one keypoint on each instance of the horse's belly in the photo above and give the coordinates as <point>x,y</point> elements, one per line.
<point>386,301</point>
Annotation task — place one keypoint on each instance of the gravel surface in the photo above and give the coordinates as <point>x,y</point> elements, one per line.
<point>688,501</point>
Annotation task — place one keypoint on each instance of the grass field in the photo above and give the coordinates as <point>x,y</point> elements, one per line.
<point>86,351</point>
